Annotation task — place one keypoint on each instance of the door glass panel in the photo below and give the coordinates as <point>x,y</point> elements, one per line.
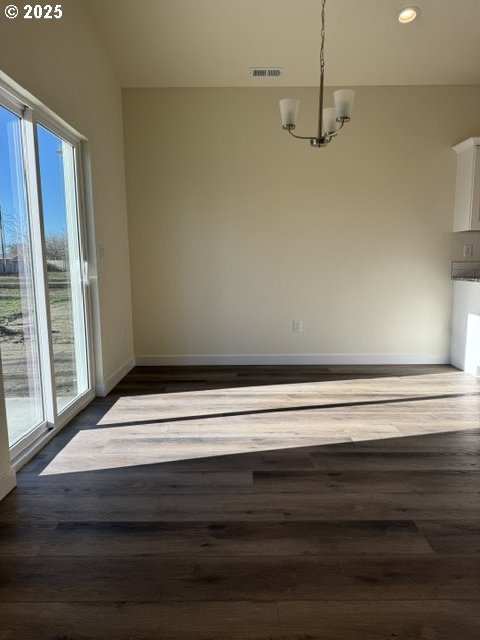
<point>56,159</point>
<point>18,323</point>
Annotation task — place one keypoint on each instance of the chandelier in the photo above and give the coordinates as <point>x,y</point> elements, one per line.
<point>330,119</point>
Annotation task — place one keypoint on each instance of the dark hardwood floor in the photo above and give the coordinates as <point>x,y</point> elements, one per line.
<point>253,503</point>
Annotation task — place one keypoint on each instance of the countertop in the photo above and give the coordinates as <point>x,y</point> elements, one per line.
<point>466,279</point>
<point>466,270</point>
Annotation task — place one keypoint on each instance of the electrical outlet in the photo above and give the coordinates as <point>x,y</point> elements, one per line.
<point>467,250</point>
<point>297,326</point>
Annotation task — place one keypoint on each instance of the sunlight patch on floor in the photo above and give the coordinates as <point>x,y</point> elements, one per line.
<point>288,396</point>
<point>166,428</point>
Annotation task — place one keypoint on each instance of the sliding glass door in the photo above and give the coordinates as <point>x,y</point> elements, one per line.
<point>45,336</point>
<point>18,317</point>
<point>59,207</point>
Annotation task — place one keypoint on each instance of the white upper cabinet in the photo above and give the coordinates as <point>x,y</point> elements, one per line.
<point>467,193</point>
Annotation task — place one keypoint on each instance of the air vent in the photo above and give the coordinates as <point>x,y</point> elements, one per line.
<point>266,72</point>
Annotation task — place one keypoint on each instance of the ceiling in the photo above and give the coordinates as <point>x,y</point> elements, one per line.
<point>213,43</point>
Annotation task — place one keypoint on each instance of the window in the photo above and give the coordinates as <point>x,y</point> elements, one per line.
<point>45,335</point>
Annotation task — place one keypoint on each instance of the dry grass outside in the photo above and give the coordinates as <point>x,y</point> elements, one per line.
<point>17,334</point>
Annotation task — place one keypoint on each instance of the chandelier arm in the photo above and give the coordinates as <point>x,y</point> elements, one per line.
<point>300,137</point>
<point>335,133</point>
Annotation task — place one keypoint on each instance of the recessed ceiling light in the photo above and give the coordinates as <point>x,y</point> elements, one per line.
<point>408,14</point>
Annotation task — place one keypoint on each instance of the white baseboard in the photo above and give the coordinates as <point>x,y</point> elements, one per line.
<point>8,481</point>
<point>318,359</point>
<point>108,384</point>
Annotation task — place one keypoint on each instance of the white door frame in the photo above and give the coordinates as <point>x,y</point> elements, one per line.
<point>31,115</point>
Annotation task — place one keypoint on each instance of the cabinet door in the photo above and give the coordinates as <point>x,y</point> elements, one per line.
<point>475,211</point>
<point>467,193</point>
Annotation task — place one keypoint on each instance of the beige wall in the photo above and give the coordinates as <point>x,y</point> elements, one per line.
<point>237,229</point>
<point>62,64</point>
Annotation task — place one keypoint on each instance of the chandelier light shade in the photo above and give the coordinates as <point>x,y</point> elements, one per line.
<point>343,100</point>
<point>330,119</point>
<point>330,124</point>
<point>289,112</point>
